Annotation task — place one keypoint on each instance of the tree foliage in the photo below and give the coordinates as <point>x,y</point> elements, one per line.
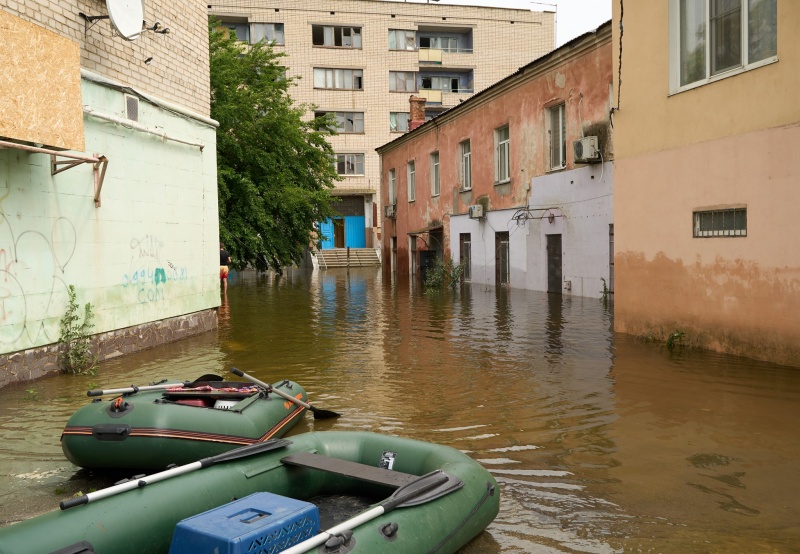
<point>274,169</point>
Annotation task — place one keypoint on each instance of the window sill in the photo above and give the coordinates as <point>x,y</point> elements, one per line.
<point>340,89</point>
<point>464,189</point>
<point>337,47</point>
<point>725,75</point>
<point>503,182</point>
<point>556,169</point>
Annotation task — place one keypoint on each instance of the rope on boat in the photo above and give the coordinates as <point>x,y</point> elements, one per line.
<point>489,492</point>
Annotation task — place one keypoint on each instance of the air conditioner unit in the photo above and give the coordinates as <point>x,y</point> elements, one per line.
<point>586,150</point>
<point>476,211</point>
<point>390,211</point>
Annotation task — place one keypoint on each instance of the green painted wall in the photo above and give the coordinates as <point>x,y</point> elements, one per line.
<point>148,253</point>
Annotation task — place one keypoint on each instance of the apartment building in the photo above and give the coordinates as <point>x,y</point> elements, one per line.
<point>706,124</point>
<point>362,59</point>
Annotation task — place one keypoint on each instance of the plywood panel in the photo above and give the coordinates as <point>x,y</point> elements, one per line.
<point>40,85</point>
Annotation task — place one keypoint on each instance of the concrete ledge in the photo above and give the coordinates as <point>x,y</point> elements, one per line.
<point>27,365</point>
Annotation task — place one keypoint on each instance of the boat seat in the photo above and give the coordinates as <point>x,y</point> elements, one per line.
<point>355,470</point>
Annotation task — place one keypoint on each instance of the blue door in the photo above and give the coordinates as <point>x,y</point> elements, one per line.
<point>354,236</point>
<point>326,230</point>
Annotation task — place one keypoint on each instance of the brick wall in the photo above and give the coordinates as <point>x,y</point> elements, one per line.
<point>178,71</point>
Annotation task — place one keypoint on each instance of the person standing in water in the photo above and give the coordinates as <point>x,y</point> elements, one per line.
<point>224,263</point>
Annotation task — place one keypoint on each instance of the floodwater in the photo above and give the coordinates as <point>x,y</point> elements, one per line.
<point>601,443</point>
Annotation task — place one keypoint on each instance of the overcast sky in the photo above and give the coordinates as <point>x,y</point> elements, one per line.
<point>573,17</point>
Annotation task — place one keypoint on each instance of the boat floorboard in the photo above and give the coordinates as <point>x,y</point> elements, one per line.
<point>347,468</point>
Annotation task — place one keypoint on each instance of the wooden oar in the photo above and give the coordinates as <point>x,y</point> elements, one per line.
<point>433,485</point>
<point>319,413</point>
<point>243,452</point>
<point>159,386</point>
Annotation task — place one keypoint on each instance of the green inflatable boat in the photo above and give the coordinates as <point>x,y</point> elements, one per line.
<point>151,427</point>
<point>322,492</point>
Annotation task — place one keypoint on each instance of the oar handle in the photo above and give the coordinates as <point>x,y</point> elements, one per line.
<point>133,388</point>
<point>242,452</point>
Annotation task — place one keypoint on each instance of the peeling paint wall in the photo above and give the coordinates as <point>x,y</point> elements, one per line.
<point>729,142</point>
<point>578,76</point>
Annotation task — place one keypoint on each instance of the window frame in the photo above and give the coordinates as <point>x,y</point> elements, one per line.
<point>397,127</point>
<point>436,184</point>
<point>392,178</point>
<point>502,155</point>
<point>708,77</point>
<point>355,31</point>
<point>411,172</point>
<point>409,78</point>
<point>342,130</point>
<point>561,110</point>
<point>733,215</point>
<point>409,46</point>
<point>465,164</point>
<point>356,75</point>
<point>343,158</point>
<point>275,41</point>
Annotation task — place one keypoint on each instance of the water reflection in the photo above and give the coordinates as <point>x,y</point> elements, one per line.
<point>600,443</point>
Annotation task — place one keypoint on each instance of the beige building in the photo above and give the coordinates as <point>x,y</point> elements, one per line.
<point>706,177</point>
<point>363,59</point>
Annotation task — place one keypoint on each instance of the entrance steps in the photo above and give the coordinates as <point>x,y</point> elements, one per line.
<point>347,257</point>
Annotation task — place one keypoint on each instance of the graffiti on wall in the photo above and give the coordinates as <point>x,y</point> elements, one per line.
<point>147,275</point>
<point>32,287</point>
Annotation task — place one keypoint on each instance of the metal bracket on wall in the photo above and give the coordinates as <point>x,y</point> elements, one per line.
<point>99,162</point>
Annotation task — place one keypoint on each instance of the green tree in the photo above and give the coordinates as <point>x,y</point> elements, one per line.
<point>274,169</point>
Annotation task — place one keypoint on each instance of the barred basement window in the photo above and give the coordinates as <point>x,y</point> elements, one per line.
<point>721,223</point>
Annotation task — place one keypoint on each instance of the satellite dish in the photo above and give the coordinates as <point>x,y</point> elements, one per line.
<point>126,16</point>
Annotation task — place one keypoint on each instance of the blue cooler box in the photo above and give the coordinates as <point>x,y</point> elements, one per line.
<point>262,523</point>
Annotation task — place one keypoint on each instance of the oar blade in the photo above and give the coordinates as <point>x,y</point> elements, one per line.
<point>428,487</point>
<point>244,451</point>
<point>319,413</point>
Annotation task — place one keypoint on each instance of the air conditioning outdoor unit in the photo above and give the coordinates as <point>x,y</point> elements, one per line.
<point>476,211</point>
<point>586,150</point>
<point>390,211</point>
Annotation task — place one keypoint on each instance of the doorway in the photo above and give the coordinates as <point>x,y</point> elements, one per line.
<point>554,263</point>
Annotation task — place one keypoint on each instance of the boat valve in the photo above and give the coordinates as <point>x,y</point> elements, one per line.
<point>389,530</point>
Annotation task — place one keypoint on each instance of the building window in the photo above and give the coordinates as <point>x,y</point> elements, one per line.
<point>412,181</point>
<point>241,30</point>
<point>346,122</point>
<point>398,121</point>
<point>502,155</point>
<point>557,129</point>
<point>392,187</point>
<point>336,37</point>
<point>402,81</point>
<point>350,164</point>
<point>465,165</point>
<point>268,32</point>
<point>445,44</point>
<point>446,84</point>
<point>345,79</point>
<point>400,39</point>
<point>465,255</point>
<point>713,38</point>
<point>731,222</point>
<point>435,185</point>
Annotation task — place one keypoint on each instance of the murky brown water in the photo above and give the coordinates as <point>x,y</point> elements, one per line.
<point>601,443</point>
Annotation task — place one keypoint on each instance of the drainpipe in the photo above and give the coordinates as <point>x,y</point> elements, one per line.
<point>139,127</point>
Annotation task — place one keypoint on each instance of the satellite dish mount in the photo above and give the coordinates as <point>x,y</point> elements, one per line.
<point>126,16</point>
